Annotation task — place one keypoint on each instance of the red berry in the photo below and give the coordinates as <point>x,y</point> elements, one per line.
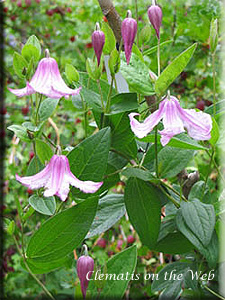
<point>200,105</point>
<point>49,12</point>
<point>130,239</point>
<point>49,135</point>
<point>25,110</point>
<point>69,10</point>
<point>88,45</point>
<point>77,121</point>
<point>105,19</point>
<point>29,191</point>
<point>47,35</point>
<point>13,17</point>
<point>72,38</point>
<point>5,9</point>
<point>101,243</point>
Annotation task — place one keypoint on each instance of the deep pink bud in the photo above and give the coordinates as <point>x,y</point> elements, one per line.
<point>28,2</point>
<point>155,17</point>
<point>85,268</point>
<point>128,30</point>
<point>98,41</point>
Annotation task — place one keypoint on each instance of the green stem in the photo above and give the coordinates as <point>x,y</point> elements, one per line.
<point>214,84</point>
<point>30,272</point>
<point>109,96</point>
<point>170,197</point>
<point>207,176</point>
<point>48,140</point>
<point>156,152</point>
<point>100,91</point>
<point>85,115</point>
<point>39,104</point>
<point>158,57</point>
<point>212,292</point>
<point>172,189</point>
<point>136,8</point>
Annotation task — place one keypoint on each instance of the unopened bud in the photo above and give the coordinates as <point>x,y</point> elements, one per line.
<point>98,41</point>
<point>153,76</point>
<point>85,268</point>
<point>155,17</point>
<point>128,30</point>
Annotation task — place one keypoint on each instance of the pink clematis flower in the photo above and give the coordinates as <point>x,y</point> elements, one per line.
<point>47,81</point>
<point>56,178</point>
<point>175,118</point>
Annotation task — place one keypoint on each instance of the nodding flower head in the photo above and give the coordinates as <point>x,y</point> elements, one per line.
<point>175,118</point>
<point>98,41</point>
<point>56,178</point>
<point>128,30</point>
<point>85,268</point>
<point>155,17</point>
<point>47,81</point>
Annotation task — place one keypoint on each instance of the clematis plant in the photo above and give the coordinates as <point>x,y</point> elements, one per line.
<point>175,118</point>
<point>47,81</point>
<point>56,178</point>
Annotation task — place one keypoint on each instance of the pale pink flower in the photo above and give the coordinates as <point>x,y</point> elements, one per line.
<point>47,81</point>
<point>56,178</point>
<point>175,118</point>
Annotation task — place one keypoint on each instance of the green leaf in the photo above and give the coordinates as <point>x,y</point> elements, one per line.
<point>220,109</point>
<point>20,132</point>
<point>173,160</point>
<point>201,192</point>
<point>123,139</point>
<point>200,218</point>
<point>47,108</point>
<point>33,40</point>
<point>139,173</point>
<point>154,49</point>
<point>210,252</point>
<point>164,280</point>
<point>111,208</point>
<point>213,36</point>
<point>93,99</point>
<point>123,102</point>
<point>145,35</point>
<point>110,179</point>
<point>215,134</point>
<point>35,166</point>
<point>19,65</point>
<point>11,227</point>
<point>30,52</point>
<point>120,264</point>
<point>45,206</point>
<point>88,160</point>
<point>110,41</point>
<point>181,140</point>
<point>94,71</point>
<point>44,151</point>
<point>61,234</point>
<point>137,75</point>
<point>173,70</point>
<point>170,240</point>
<point>71,73</point>
<point>144,210</point>
<point>173,291</point>
<point>114,62</point>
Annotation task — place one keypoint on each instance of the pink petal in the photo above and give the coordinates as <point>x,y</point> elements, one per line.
<point>28,90</point>
<point>36,181</point>
<point>172,123</point>
<point>142,129</point>
<point>198,124</point>
<point>84,186</point>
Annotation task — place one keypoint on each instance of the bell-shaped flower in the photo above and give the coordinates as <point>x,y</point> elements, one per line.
<point>56,178</point>
<point>47,81</point>
<point>128,30</point>
<point>85,268</point>
<point>98,41</point>
<point>175,119</point>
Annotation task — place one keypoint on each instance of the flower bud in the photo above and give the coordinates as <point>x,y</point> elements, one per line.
<point>85,264</point>
<point>128,30</point>
<point>155,17</point>
<point>153,76</point>
<point>98,41</point>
